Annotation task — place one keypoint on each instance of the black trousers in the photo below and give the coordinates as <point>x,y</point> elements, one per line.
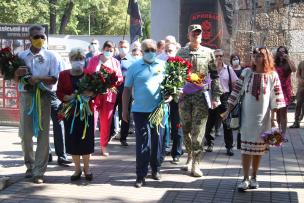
<point>213,119</point>
<point>124,126</point>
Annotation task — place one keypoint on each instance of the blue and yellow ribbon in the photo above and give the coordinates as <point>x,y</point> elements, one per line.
<point>83,113</point>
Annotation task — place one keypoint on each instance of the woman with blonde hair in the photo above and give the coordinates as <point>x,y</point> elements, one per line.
<point>66,92</point>
<point>261,92</point>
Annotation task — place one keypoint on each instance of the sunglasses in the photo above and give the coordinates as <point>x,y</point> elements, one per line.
<point>150,50</point>
<point>93,43</point>
<point>258,49</point>
<point>39,37</point>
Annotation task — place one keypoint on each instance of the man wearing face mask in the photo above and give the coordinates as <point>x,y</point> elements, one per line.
<point>193,107</point>
<point>144,78</point>
<point>44,69</point>
<point>125,61</point>
<point>93,51</point>
<point>104,103</point>
<point>176,133</point>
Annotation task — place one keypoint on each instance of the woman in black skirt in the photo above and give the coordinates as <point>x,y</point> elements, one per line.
<point>75,144</point>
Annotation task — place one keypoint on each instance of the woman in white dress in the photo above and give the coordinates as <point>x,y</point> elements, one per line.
<point>261,90</point>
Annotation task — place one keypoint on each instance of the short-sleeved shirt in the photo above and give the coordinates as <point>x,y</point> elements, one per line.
<point>145,79</point>
<point>44,64</point>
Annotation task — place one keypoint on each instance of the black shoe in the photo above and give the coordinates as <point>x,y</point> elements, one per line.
<point>89,176</point>
<point>230,152</point>
<point>175,160</point>
<point>156,175</point>
<point>124,143</point>
<point>50,157</point>
<point>76,176</point>
<point>63,162</point>
<point>38,179</point>
<point>140,182</point>
<point>28,173</point>
<point>295,125</point>
<point>209,148</point>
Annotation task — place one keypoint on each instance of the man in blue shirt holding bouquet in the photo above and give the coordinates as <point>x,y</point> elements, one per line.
<point>143,82</point>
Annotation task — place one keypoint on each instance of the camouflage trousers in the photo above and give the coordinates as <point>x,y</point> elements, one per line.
<point>193,114</point>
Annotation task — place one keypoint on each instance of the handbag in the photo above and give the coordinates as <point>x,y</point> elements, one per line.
<point>234,117</point>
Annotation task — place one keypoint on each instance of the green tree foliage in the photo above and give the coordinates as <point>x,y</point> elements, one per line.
<point>107,17</point>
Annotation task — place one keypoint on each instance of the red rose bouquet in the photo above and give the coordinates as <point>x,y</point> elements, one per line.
<point>99,82</point>
<point>176,73</point>
<point>9,63</point>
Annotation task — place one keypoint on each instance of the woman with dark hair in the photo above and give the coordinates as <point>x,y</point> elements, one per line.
<point>261,91</point>
<point>284,66</point>
<point>235,63</point>
<point>104,103</point>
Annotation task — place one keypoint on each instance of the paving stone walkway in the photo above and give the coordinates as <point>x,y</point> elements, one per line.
<point>281,176</point>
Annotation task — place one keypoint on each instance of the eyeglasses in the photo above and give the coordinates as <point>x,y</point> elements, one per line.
<point>217,56</point>
<point>39,37</point>
<point>150,50</point>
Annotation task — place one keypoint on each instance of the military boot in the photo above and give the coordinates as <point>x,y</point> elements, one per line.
<point>196,171</point>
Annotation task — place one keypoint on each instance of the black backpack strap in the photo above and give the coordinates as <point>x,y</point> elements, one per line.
<point>230,82</point>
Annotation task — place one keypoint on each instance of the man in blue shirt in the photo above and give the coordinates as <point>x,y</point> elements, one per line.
<point>143,82</point>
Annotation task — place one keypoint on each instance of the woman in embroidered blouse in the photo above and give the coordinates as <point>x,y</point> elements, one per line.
<point>262,92</point>
<point>104,103</point>
<point>284,66</point>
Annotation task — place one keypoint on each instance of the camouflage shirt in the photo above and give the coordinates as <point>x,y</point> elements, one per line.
<point>203,60</point>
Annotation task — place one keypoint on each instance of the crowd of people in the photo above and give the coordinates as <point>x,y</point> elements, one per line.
<point>194,120</point>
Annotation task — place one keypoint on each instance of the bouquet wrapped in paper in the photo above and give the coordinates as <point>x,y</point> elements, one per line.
<point>176,73</point>
<point>274,137</point>
<point>9,63</point>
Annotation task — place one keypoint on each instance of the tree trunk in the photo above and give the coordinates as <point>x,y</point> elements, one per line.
<point>53,15</point>
<point>66,16</point>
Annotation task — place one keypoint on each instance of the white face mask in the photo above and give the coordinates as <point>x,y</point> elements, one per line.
<point>236,62</point>
<point>77,65</point>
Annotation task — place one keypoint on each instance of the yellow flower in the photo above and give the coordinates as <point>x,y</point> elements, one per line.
<point>194,77</point>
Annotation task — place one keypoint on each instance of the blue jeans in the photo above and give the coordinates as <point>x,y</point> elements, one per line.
<point>176,131</point>
<point>58,127</point>
<point>149,145</point>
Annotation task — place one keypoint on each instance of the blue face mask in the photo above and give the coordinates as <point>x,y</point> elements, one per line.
<point>149,57</point>
<point>107,54</point>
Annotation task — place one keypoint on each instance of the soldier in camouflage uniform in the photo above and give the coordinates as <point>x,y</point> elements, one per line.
<point>193,107</point>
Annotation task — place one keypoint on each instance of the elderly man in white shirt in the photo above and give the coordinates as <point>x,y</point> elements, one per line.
<point>43,66</point>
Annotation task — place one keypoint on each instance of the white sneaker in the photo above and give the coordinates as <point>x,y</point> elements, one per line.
<point>244,185</point>
<point>253,184</point>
